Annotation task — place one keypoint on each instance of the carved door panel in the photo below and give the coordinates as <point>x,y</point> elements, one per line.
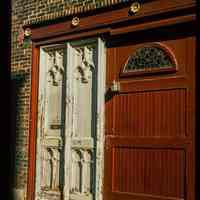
<point>70,124</point>
<point>81,109</point>
<point>50,133</point>
<point>150,119</point>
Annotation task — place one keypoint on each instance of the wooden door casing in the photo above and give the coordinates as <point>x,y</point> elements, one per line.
<point>150,126</point>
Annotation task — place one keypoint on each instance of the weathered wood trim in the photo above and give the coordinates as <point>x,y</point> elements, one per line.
<point>75,36</point>
<point>115,31</point>
<point>36,108</point>
<point>113,19</point>
<point>154,24</point>
<point>33,123</point>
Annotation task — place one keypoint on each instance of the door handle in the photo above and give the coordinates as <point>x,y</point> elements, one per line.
<point>112,90</point>
<point>115,86</point>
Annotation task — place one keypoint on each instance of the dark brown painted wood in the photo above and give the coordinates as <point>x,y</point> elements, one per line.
<point>112,30</point>
<point>119,20</point>
<point>33,122</point>
<point>150,124</point>
<point>153,24</point>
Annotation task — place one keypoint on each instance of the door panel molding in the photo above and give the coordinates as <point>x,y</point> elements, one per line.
<point>70,127</point>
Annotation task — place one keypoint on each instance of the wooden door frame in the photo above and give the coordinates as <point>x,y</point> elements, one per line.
<point>44,35</point>
<point>34,117</point>
<point>33,122</point>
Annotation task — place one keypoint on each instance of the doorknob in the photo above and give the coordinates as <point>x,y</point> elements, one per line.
<point>115,86</point>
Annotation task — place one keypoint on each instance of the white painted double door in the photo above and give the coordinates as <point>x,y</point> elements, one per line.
<point>69,160</point>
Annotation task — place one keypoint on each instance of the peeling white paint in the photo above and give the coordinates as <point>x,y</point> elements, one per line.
<point>49,157</point>
<point>70,135</point>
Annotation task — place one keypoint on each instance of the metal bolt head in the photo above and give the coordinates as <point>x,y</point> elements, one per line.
<point>75,21</point>
<point>135,7</point>
<point>27,32</point>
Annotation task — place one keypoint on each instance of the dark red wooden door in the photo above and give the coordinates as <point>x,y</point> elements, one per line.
<point>150,121</point>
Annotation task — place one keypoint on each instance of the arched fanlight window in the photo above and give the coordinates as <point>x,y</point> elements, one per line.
<point>149,59</point>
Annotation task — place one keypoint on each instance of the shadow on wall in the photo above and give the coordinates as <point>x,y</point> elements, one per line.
<point>17,83</point>
<point>5,49</point>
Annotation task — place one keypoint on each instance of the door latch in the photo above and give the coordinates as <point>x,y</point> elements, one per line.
<point>115,86</point>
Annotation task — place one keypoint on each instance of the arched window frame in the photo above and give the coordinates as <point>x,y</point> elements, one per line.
<point>151,71</point>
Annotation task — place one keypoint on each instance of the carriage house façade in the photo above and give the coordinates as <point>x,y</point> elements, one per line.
<point>107,91</point>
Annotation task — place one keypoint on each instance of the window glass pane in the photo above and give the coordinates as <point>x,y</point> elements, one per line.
<point>147,58</point>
